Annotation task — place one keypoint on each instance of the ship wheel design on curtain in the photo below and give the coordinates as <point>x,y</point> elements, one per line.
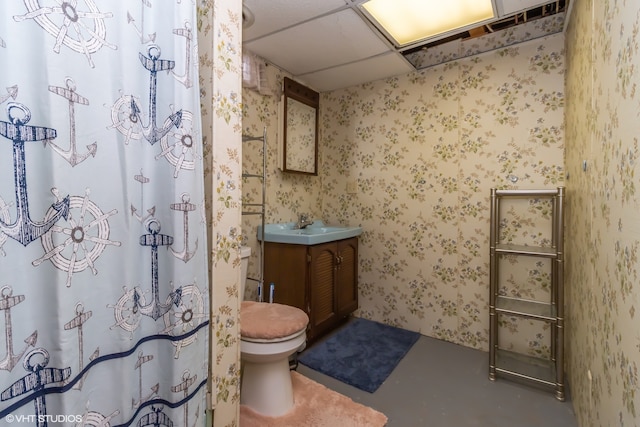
<point>181,151</point>
<point>96,419</point>
<point>186,317</point>
<point>76,246</point>
<point>123,119</point>
<point>87,24</point>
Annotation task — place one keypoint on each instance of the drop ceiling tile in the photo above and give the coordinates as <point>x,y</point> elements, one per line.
<point>376,68</point>
<point>273,15</point>
<point>509,7</point>
<point>325,42</point>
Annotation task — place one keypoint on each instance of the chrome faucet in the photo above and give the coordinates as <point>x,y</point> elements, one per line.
<point>303,221</point>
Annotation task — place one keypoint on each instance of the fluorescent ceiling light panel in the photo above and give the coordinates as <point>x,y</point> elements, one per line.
<point>408,21</point>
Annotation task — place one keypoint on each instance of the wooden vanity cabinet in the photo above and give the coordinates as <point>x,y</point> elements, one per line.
<point>320,279</point>
<point>347,289</point>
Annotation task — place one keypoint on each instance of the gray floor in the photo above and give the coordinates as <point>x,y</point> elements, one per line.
<point>440,384</point>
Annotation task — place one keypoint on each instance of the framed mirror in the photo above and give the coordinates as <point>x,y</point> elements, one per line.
<point>300,130</point>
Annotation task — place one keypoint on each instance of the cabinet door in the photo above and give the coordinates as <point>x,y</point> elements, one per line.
<point>347,276</point>
<point>322,286</point>
<point>286,267</point>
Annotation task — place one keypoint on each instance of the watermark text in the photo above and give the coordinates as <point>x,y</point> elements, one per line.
<point>32,418</point>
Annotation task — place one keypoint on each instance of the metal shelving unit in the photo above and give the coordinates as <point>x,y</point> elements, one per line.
<point>258,208</point>
<point>546,372</point>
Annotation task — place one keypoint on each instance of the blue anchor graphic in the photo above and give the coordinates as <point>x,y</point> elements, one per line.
<point>24,230</point>
<point>152,132</point>
<point>35,381</point>
<point>71,155</point>
<point>155,418</point>
<point>155,309</point>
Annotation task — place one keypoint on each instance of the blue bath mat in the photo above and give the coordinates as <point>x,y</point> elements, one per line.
<point>362,353</point>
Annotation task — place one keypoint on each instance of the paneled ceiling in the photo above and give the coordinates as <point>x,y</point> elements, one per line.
<point>330,44</point>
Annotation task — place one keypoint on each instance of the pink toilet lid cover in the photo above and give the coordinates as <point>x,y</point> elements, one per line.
<point>261,320</point>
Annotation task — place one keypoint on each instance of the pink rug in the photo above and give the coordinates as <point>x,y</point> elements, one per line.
<point>316,406</point>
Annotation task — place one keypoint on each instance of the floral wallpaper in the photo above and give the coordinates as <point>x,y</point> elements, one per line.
<point>424,150</point>
<point>287,194</point>
<point>603,269</point>
<point>220,38</point>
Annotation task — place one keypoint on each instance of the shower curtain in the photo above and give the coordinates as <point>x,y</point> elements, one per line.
<point>103,260</point>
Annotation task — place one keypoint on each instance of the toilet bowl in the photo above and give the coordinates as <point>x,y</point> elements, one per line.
<point>269,335</point>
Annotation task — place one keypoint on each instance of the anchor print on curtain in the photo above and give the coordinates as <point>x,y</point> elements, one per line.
<point>103,269</point>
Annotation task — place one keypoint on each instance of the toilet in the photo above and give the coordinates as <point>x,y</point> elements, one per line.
<point>270,334</point>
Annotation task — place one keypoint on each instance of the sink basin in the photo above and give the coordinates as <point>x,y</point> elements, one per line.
<point>313,234</point>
